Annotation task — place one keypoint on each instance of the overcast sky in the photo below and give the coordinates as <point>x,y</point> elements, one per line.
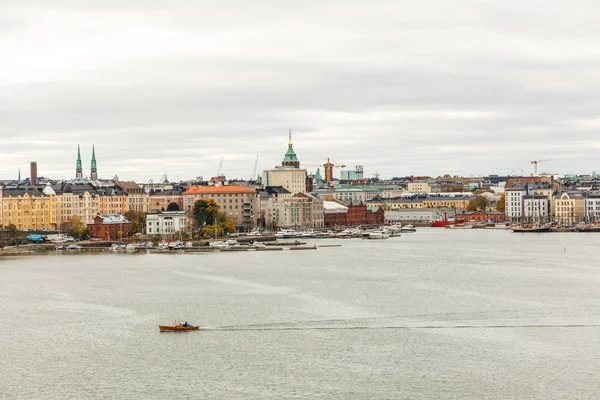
<point>402,87</point>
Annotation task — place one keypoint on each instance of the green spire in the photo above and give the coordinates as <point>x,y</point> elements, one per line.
<point>79,167</point>
<point>93,157</point>
<point>318,175</point>
<point>290,157</point>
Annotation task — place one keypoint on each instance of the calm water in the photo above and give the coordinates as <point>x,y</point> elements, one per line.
<point>436,314</point>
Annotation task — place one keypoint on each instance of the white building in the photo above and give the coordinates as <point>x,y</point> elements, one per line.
<point>536,208</point>
<point>518,210</point>
<point>418,214</point>
<point>514,203</point>
<point>167,223</point>
<point>592,207</point>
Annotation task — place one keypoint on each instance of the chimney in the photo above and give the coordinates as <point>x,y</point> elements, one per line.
<point>33,173</point>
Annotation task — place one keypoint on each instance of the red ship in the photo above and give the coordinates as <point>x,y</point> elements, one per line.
<point>442,223</point>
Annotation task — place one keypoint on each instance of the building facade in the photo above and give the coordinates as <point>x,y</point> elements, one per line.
<point>482,216</point>
<point>137,198</point>
<point>569,207</point>
<point>29,207</point>
<point>167,223</point>
<point>238,202</point>
<point>109,227</point>
<point>592,207</point>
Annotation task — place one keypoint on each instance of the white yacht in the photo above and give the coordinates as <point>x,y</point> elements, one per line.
<point>408,228</point>
<point>286,234</point>
<point>380,233</point>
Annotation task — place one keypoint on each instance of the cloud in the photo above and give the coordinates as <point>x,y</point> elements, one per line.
<point>432,87</point>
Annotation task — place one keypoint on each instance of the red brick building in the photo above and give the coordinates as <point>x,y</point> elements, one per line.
<point>482,216</point>
<point>356,214</point>
<point>109,227</point>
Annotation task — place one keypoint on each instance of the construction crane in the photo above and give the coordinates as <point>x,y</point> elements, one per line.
<point>220,167</point>
<point>376,175</point>
<point>255,168</point>
<point>535,166</point>
<point>329,166</point>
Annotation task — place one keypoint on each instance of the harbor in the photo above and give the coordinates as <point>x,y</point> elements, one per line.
<point>458,303</point>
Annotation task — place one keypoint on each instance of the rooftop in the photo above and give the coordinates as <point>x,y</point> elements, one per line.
<point>218,189</point>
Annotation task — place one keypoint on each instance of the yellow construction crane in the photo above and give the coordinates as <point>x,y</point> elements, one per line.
<point>329,166</point>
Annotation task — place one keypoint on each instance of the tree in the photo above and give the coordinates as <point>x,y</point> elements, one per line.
<point>206,212</point>
<point>12,230</point>
<point>501,206</point>
<point>78,227</point>
<point>478,203</point>
<point>453,189</point>
<point>137,219</point>
<point>229,225</point>
<point>212,231</point>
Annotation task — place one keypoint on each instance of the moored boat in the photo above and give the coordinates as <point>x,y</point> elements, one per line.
<point>526,228</point>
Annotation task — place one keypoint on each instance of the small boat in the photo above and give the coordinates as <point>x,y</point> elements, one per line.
<point>377,234</point>
<point>178,328</point>
<point>461,226</point>
<point>408,228</point>
<point>73,247</point>
<point>286,234</point>
<point>254,233</point>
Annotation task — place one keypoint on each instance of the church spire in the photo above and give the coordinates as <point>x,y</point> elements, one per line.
<point>290,159</point>
<point>19,178</point>
<point>94,172</point>
<point>79,168</point>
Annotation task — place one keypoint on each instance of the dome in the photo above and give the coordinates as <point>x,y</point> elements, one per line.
<point>173,207</point>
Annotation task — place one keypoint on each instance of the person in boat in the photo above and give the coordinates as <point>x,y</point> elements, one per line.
<point>186,324</point>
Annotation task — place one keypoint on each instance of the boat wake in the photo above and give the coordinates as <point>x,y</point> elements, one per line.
<point>402,327</point>
<point>491,319</point>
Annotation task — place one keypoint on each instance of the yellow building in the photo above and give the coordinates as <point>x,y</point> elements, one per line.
<point>397,203</point>
<point>419,187</point>
<point>29,207</point>
<point>448,202</point>
<point>138,198</point>
<point>113,200</point>
<point>77,199</point>
<point>569,207</point>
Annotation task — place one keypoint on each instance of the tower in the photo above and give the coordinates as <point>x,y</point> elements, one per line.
<point>290,159</point>
<point>79,169</point>
<point>94,171</point>
<point>33,173</point>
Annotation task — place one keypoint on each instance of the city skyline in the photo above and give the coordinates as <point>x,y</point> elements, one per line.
<point>473,89</point>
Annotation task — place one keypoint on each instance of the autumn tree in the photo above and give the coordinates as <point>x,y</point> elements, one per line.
<point>478,203</point>
<point>137,219</point>
<point>229,225</point>
<point>212,231</point>
<point>78,227</point>
<point>11,230</point>
<point>501,206</point>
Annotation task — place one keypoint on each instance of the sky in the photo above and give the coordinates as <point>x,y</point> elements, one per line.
<point>430,87</point>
